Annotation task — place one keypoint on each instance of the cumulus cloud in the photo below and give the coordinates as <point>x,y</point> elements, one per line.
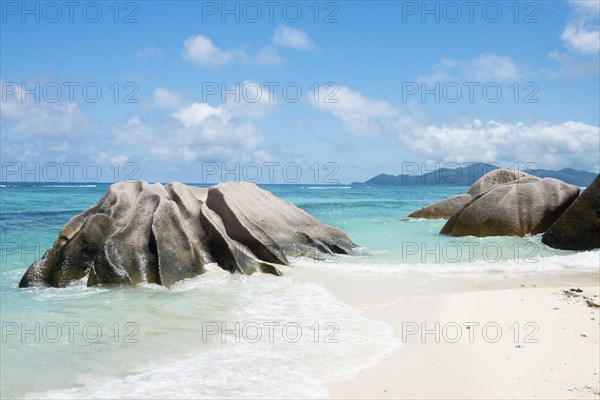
<point>568,144</point>
<point>39,131</point>
<point>196,114</point>
<point>133,133</point>
<point>493,67</point>
<point>190,139</point>
<point>582,39</point>
<point>285,36</point>
<point>201,131</point>
<point>249,100</point>
<point>22,113</point>
<point>201,50</point>
<point>166,98</point>
<point>268,55</point>
<point>582,33</point>
<point>360,114</point>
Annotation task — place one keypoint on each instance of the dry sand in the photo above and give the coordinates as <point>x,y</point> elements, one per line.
<point>526,337</point>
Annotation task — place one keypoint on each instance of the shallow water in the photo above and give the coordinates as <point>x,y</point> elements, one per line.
<point>223,335</point>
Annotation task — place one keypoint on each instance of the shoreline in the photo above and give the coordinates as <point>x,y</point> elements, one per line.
<point>506,336</point>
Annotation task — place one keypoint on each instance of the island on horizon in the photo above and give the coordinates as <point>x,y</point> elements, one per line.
<point>468,175</point>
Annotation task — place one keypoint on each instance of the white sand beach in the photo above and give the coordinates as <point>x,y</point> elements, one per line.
<point>505,336</point>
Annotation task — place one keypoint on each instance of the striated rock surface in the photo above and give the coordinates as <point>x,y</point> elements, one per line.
<point>495,178</point>
<point>271,227</point>
<point>443,209</point>
<point>140,233</point>
<point>578,228</point>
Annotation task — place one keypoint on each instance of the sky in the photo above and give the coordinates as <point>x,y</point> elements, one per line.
<point>295,92</point>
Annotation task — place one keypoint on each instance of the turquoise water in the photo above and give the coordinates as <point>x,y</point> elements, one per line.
<point>147,341</point>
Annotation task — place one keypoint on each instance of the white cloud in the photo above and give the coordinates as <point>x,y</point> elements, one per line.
<point>201,50</point>
<point>119,159</point>
<point>187,154</point>
<point>133,133</point>
<point>200,131</point>
<point>486,67</point>
<point>581,39</point>
<point>568,144</point>
<point>268,55</point>
<point>253,101</point>
<point>196,114</point>
<point>285,36</point>
<point>166,98</point>
<point>359,113</point>
<point>582,33</point>
<point>104,158</point>
<point>24,114</point>
<point>550,145</point>
<point>493,67</point>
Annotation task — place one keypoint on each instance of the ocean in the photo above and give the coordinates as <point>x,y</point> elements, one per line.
<point>221,335</point>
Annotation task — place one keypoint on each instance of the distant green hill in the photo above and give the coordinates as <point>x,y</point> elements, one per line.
<point>466,176</point>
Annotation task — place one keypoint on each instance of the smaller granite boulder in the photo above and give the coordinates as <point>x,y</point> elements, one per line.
<point>443,209</point>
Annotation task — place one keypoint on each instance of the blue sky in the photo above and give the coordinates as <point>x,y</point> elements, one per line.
<point>383,85</point>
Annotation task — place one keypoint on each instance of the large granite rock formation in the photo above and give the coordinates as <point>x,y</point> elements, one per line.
<point>528,205</point>
<point>443,209</point>
<point>141,233</point>
<point>578,228</point>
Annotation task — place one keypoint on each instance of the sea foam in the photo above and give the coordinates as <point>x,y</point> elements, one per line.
<point>335,343</point>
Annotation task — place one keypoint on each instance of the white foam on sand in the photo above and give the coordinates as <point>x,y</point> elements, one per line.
<point>587,261</point>
<point>316,339</point>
